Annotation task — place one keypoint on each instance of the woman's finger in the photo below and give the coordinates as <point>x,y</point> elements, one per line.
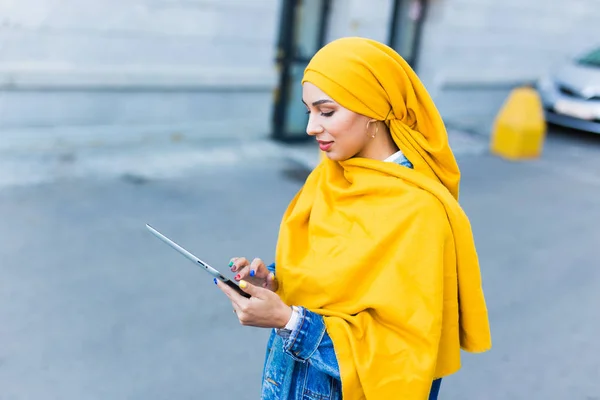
<point>236,299</point>
<point>242,273</point>
<point>236,263</point>
<point>252,290</point>
<point>258,269</point>
<point>271,283</point>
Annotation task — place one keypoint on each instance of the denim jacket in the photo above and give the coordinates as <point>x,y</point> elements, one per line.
<point>301,364</point>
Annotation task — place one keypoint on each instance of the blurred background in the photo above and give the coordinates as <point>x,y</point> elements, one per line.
<point>187,115</point>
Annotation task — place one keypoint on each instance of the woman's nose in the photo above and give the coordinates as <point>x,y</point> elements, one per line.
<point>313,128</point>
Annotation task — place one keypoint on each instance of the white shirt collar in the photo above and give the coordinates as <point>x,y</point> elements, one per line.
<point>394,156</point>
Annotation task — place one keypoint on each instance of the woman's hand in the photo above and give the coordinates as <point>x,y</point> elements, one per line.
<point>255,272</point>
<point>263,310</point>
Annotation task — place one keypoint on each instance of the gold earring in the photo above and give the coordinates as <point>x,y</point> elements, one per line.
<point>376,128</point>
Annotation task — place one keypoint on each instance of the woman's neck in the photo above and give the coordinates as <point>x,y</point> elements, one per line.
<point>381,147</point>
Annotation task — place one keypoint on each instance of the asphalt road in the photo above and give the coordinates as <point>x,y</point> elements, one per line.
<point>94,307</point>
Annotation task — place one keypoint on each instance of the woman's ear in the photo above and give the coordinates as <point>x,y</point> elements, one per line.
<point>376,128</point>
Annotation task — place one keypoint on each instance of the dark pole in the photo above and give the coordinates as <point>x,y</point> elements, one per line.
<point>419,34</point>
<point>285,49</point>
<point>393,24</point>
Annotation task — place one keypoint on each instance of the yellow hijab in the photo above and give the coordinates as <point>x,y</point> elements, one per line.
<point>385,253</point>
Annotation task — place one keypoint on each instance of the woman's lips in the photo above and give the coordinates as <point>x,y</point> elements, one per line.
<point>324,146</point>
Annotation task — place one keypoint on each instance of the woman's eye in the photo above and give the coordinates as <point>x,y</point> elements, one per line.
<point>325,114</point>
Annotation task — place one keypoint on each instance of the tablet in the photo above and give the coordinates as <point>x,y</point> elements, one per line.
<point>232,284</point>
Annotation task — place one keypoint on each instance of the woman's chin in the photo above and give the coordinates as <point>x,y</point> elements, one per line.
<point>335,156</point>
<point>332,155</point>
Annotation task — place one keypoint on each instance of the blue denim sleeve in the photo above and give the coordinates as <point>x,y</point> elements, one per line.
<point>310,342</point>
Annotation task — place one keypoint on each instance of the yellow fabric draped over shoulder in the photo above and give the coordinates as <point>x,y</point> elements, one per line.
<point>384,252</point>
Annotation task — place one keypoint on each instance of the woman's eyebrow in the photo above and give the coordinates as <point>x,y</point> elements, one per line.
<point>319,102</point>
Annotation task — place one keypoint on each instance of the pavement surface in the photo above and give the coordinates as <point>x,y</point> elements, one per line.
<point>94,307</point>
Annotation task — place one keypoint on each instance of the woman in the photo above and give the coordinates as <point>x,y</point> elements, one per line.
<point>374,254</point>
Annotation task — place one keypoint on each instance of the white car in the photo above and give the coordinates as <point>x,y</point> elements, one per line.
<point>571,94</point>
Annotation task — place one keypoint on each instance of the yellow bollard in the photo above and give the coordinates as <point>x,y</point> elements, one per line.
<point>520,126</point>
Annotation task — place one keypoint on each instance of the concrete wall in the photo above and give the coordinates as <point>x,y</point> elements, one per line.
<point>83,70</point>
<point>360,18</point>
<point>124,70</point>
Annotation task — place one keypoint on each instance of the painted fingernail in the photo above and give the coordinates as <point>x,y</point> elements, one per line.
<point>271,276</point>
<point>230,263</point>
<point>243,284</point>
<point>252,272</point>
<point>237,277</point>
<point>215,280</point>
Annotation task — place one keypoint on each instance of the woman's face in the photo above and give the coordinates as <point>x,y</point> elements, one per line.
<point>341,133</point>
